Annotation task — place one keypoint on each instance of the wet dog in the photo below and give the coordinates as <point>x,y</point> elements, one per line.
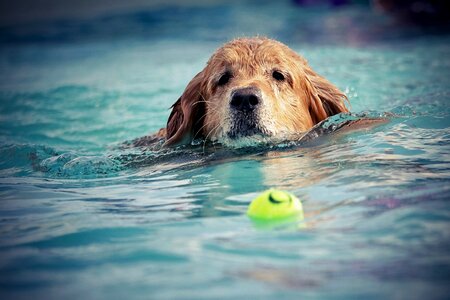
<point>251,89</point>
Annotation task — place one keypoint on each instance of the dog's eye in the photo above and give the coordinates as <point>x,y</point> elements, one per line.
<point>224,79</point>
<point>278,75</point>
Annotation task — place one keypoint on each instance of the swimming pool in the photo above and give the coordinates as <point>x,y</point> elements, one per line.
<point>82,219</point>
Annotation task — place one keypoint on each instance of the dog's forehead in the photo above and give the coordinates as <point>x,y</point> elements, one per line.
<point>257,52</point>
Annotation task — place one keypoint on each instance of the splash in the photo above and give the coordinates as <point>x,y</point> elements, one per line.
<point>52,162</point>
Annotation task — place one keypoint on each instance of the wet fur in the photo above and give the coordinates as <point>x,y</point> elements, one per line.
<point>288,108</point>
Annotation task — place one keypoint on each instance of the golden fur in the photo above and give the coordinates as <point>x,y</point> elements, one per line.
<point>287,106</point>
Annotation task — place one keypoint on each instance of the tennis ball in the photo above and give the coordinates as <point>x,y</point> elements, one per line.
<point>275,205</point>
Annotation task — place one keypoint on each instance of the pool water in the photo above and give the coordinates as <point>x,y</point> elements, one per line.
<point>81,218</point>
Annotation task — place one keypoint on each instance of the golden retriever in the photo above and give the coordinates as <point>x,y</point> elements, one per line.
<point>252,89</point>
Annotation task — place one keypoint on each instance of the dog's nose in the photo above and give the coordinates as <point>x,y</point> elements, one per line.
<point>245,99</point>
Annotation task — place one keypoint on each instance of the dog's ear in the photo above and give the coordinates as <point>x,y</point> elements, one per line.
<point>325,99</point>
<point>187,113</point>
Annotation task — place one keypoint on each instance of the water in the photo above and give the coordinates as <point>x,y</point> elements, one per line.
<point>81,218</point>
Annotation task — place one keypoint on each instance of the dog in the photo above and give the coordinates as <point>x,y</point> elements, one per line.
<point>251,89</point>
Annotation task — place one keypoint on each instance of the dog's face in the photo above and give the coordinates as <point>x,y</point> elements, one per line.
<point>252,89</point>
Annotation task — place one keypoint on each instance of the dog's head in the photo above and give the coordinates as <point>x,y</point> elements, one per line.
<point>252,88</point>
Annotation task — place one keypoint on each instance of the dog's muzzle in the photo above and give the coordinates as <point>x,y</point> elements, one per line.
<point>244,112</point>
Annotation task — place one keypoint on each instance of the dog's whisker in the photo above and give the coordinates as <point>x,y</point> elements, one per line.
<point>203,126</point>
<point>206,138</point>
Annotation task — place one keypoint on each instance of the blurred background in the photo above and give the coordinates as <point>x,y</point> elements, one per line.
<point>348,21</point>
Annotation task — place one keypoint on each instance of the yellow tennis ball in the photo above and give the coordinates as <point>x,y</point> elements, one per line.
<point>275,205</point>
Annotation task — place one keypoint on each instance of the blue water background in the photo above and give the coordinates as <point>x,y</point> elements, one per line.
<point>82,219</point>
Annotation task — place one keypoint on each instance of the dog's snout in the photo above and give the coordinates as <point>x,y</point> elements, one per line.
<point>245,99</point>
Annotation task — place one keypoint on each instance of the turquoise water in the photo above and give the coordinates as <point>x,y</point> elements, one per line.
<point>82,219</point>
